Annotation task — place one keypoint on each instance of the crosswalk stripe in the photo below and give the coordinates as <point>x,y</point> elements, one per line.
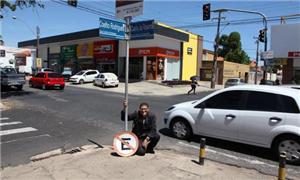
<point>5,118</point>
<point>15,131</point>
<point>10,123</point>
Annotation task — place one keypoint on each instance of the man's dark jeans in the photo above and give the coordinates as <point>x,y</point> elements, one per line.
<point>153,142</point>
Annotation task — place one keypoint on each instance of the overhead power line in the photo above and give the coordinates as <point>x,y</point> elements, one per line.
<point>241,21</point>
<point>87,9</point>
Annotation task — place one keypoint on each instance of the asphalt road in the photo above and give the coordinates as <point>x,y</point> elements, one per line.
<point>45,120</point>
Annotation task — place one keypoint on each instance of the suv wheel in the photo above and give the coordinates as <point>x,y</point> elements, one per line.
<point>81,81</point>
<point>181,129</point>
<point>291,146</point>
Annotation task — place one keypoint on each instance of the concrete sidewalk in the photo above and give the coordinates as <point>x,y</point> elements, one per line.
<point>150,88</point>
<point>96,163</point>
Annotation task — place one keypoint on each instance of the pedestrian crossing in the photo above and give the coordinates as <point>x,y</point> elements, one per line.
<point>4,122</point>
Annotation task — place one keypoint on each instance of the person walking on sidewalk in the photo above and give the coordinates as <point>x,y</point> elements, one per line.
<point>193,86</point>
<point>144,127</point>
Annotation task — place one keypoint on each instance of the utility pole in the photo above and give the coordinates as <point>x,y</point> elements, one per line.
<point>215,63</point>
<point>256,65</point>
<point>37,41</point>
<point>127,38</point>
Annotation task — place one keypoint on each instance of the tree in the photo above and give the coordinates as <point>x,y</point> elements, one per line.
<point>21,4</point>
<point>231,48</point>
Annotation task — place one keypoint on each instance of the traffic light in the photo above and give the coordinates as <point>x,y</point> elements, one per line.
<point>72,3</point>
<point>261,36</point>
<point>206,12</point>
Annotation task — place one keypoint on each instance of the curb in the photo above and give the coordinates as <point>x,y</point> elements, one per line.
<point>61,151</point>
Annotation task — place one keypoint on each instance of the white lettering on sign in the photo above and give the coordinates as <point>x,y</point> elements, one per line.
<point>125,143</point>
<point>111,26</point>
<point>170,52</point>
<point>144,51</point>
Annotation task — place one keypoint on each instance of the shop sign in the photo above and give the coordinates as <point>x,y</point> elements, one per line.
<point>105,49</point>
<point>111,29</point>
<point>68,52</point>
<point>154,51</point>
<point>125,8</point>
<point>294,54</point>
<point>142,30</point>
<point>85,50</point>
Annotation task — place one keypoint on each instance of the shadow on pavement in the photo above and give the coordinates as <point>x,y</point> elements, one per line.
<point>6,93</point>
<point>228,145</point>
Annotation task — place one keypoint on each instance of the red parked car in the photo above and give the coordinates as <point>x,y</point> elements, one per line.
<point>47,80</point>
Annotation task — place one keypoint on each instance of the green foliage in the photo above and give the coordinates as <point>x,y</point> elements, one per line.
<point>231,48</point>
<point>21,4</point>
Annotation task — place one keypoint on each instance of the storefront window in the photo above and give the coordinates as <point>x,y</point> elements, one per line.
<point>160,69</point>
<point>151,68</point>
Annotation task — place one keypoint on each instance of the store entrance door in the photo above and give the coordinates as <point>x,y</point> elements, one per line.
<point>151,68</point>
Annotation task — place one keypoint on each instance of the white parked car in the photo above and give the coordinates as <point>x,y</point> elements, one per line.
<point>266,116</point>
<point>84,76</point>
<point>67,73</point>
<point>234,82</point>
<point>106,79</point>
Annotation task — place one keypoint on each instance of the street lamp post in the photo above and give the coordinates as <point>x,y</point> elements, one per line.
<point>35,33</point>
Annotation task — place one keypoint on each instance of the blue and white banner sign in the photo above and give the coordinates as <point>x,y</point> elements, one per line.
<point>111,29</point>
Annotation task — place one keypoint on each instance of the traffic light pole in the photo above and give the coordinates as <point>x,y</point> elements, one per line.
<point>256,65</point>
<point>216,47</point>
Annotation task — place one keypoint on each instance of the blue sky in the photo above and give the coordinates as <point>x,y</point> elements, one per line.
<point>58,18</point>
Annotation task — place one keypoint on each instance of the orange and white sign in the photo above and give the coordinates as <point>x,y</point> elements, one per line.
<point>125,143</point>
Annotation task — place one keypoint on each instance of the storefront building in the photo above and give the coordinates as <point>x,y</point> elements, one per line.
<point>191,54</point>
<point>225,69</point>
<point>20,58</point>
<point>285,44</point>
<point>157,52</point>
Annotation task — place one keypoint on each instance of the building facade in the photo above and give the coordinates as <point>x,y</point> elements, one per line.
<point>157,52</point>
<point>20,58</point>
<point>285,43</point>
<point>225,69</point>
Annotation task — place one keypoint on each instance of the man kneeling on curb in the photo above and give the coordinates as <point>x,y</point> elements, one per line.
<point>144,127</point>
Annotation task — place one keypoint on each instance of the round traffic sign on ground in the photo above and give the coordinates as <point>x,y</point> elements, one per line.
<point>125,143</point>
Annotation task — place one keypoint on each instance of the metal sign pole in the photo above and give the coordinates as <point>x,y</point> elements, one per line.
<point>127,37</point>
